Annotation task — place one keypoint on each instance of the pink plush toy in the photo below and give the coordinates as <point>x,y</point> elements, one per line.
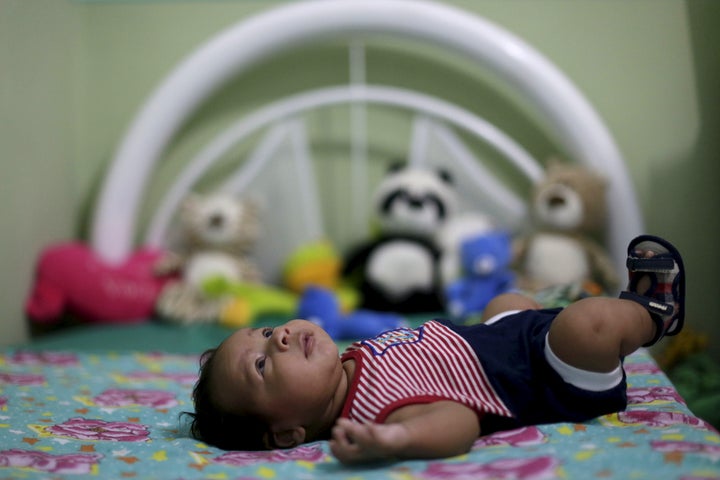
<point>70,278</point>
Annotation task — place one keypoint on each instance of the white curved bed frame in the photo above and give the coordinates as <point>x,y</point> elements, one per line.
<point>573,122</point>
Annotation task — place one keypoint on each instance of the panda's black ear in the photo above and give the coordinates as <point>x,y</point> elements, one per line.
<point>445,175</point>
<point>396,165</point>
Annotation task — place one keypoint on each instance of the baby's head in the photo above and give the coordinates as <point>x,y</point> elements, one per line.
<point>215,426</point>
<point>269,388</point>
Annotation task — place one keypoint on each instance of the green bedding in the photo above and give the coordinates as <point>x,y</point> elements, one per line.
<point>150,336</point>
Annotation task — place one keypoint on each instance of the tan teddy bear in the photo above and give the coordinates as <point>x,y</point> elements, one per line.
<point>569,211</point>
<point>218,233</point>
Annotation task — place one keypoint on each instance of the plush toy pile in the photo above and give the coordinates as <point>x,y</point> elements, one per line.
<point>427,256</point>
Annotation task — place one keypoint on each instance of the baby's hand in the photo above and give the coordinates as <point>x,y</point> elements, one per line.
<point>353,442</point>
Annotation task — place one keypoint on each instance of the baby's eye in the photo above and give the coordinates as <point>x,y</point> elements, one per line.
<point>267,332</point>
<point>260,365</point>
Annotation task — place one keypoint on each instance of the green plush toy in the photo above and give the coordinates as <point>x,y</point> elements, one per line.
<point>245,301</point>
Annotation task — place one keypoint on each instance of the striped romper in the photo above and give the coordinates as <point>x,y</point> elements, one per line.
<point>499,370</point>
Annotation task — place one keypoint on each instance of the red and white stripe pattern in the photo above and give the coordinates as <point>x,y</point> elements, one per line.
<point>405,366</point>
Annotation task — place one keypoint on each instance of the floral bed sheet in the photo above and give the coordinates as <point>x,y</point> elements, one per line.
<point>117,415</point>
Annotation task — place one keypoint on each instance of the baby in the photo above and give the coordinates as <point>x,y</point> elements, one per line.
<point>430,392</point>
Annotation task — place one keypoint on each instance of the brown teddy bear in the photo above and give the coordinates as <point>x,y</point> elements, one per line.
<point>569,212</point>
<point>218,232</point>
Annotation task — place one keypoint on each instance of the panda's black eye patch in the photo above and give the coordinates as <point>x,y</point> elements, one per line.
<point>390,199</point>
<point>438,203</point>
<point>416,202</point>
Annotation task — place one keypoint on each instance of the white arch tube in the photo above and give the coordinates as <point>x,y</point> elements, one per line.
<point>324,97</point>
<point>575,123</point>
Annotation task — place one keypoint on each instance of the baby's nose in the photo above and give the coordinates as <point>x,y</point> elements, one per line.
<point>281,335</point>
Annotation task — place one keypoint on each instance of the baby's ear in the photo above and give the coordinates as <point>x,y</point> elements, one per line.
<point>288,438</point>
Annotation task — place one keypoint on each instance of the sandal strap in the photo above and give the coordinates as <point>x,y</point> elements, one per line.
<point>649,303</point>
<point>656,310</point>
<point>658,263</point>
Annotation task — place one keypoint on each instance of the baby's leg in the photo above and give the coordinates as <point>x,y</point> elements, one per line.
<point>595,333</point>
<point>508,302</point>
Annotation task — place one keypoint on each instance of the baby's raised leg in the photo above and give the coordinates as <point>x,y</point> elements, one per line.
<point>595,333</point>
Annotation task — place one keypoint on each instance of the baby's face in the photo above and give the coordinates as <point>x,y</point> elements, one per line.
<point>287,374</point>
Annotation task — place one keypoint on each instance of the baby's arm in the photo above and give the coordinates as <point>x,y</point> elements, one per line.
<point>433,430</point>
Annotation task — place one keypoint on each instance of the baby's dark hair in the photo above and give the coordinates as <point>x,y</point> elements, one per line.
<point>222,429</point>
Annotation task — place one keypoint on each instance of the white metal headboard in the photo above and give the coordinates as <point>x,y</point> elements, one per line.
<point>573,121</point>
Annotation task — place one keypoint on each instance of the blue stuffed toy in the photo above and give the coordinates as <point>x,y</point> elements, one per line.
<point>320,306</point>
<point>485,262</point>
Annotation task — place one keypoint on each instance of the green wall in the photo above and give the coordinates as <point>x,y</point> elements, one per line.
<point>40,46</point>
<point>73,74</point>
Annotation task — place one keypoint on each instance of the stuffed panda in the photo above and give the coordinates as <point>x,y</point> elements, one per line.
<point>398,271</point>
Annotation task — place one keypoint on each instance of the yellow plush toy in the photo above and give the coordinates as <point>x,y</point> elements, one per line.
<point>318,264</point>
<point>314,263</point>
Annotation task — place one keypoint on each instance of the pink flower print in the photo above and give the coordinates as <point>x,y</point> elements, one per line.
<point>709,450</point>
<point>652,418</point>
<point>22,379</point>
<point>90,429</point>
<point>44,358</point>
<point>80,463</point>
<point>3,403</point>
<point>157,357</point>
<point>644,368</point>
<point>539,468</point>
<point>653,394</point>
<point>519,437</point>
<point>116,397</point>
<point>179,378</point>
<point>242,458</point>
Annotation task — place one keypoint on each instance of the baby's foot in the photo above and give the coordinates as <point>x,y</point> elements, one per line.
<point>657,281</point>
